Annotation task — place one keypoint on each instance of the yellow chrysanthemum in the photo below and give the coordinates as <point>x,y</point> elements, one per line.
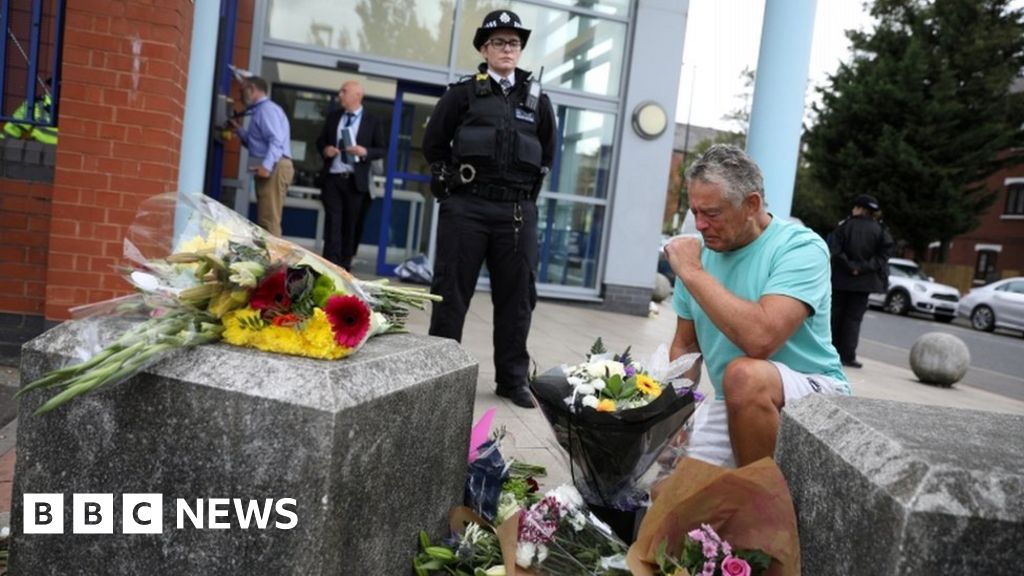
<point>218,236</point>
<point>648,386</point>
<point>605,405</point>
<point>314,340</point>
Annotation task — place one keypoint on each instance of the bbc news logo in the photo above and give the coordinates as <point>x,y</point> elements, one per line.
<point>143,514</point>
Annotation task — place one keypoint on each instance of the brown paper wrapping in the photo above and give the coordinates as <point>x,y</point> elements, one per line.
<point>750,507</point>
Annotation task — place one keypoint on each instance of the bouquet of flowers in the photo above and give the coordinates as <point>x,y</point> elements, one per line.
<point>705,553</point>
<point>559,536</point>
<point>707,520</point>
<point>203,274</point>
<point>613,416</point>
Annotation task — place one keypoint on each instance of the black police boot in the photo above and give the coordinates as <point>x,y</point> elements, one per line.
<point>519,396</point>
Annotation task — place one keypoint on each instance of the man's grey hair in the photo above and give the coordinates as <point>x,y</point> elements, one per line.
<point>731,168</point>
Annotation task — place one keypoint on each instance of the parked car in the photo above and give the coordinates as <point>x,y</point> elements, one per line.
<point>911,290</point>
<point>996,305</point>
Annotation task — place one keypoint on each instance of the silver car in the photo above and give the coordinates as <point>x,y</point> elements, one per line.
<point>997,305</point>
<point>910,290</point>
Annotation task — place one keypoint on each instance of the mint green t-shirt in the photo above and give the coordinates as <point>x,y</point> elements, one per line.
<point>787,259</point>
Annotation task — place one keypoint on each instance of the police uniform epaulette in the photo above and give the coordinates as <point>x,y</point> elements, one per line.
<point>462,80</point>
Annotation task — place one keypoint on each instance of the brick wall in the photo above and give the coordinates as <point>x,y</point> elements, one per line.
<point>124,77</point>
<point>24,231</point>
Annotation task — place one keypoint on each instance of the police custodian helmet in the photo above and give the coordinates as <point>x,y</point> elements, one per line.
<point>497,20</point>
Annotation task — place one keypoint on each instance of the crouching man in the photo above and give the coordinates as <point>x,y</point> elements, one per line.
<point>754,298</point>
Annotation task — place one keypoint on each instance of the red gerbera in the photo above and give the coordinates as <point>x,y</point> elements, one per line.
<point>272,292</point>
<point>350,319</point>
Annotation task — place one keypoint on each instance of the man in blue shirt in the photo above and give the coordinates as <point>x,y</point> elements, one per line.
<point>268,138</point>
<point>754,298</point>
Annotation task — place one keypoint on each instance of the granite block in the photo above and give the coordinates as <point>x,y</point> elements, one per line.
<point>889,488</point>
<point>372,448</point>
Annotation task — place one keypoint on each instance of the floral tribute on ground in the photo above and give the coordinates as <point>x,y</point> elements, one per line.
<point>203,274</point>
<point>613,416</point>
<point>508,527</point>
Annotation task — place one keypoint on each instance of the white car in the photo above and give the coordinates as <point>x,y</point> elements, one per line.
<point>997,305</point>
<point>910,290</point>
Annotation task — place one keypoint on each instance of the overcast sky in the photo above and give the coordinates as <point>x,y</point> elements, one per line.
<point>723,37</point>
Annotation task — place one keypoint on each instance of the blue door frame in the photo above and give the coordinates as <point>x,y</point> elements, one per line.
<point>395,171</point>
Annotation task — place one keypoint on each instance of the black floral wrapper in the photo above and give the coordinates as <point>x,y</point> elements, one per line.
<point>483,483</point>
<point>609,452</point>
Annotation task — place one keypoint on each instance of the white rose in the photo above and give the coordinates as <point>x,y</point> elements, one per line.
<point>598,384</point>
<point>606,367</point>
<point>567,496</point>
<point>524,553</point>
<point>590,401</point>
<point>542,553</point>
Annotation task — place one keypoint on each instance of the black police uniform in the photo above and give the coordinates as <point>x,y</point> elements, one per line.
<point>860,249</point>
<point>503,149</point>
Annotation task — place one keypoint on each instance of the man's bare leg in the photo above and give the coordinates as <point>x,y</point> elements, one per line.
<point>753,399</point>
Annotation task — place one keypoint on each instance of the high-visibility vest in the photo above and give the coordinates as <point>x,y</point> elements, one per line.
<point>44,134</point>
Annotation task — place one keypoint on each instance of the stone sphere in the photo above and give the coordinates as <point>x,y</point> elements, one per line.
<point>939,358</point>
<point>662,288</point>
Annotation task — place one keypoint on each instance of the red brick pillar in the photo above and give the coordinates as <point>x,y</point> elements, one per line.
<point>122,99</point>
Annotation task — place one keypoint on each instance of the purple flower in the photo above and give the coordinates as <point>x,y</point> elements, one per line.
<point>698,396</point>
<point>630,371</point>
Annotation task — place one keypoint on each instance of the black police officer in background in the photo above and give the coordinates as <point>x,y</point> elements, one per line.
<point>490,141</point>
<point>860,249</point>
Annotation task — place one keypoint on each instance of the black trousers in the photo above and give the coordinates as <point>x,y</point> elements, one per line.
<point>343,203</point>
<point>848,309</point>
<point>470,232</point>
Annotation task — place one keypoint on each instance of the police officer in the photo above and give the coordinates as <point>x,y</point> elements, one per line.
<point>860,249</point>
<point>490,141</point>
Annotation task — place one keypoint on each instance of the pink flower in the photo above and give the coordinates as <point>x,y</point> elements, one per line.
<point>733,566</point>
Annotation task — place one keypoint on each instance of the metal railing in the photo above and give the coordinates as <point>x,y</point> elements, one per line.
<point>29,51</point>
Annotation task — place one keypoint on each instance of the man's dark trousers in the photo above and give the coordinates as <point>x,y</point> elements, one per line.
<point>342,204</point>
<point>848,309</point>
<point>473,230</point>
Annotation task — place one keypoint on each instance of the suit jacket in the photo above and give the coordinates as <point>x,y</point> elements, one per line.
<point>370,136</point>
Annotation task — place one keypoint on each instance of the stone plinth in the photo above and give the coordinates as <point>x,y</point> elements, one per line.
<point>372,448</point>
<point>887,488</point>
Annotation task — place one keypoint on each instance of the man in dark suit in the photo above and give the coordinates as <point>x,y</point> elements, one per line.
<point>346,174</point>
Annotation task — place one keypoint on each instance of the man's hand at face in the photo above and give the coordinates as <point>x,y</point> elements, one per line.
<point>683,255</point>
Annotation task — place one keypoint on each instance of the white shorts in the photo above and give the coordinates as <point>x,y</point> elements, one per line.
<point>709,440</point>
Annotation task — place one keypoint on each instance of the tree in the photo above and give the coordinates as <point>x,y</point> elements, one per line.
<point>923,114</point>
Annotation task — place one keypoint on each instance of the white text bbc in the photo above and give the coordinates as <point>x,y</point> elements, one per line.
<point>143,513</point>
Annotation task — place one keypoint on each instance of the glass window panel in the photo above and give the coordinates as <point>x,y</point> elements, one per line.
<point>613,7</point>
<point>415,30</point>
<point>569,242</point>
<point>581,53</point>
<point>583,165</point>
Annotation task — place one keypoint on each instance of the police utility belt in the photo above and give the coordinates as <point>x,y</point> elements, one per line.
<point>495,192</point>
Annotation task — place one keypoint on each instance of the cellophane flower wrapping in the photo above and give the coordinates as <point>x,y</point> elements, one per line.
<point>558,535</point>
<point>487,473</point>
<point>610,451</point>
<point>751,507</point>
<point>203,274</point>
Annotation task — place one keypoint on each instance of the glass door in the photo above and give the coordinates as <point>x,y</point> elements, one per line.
<point>407,211</point>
